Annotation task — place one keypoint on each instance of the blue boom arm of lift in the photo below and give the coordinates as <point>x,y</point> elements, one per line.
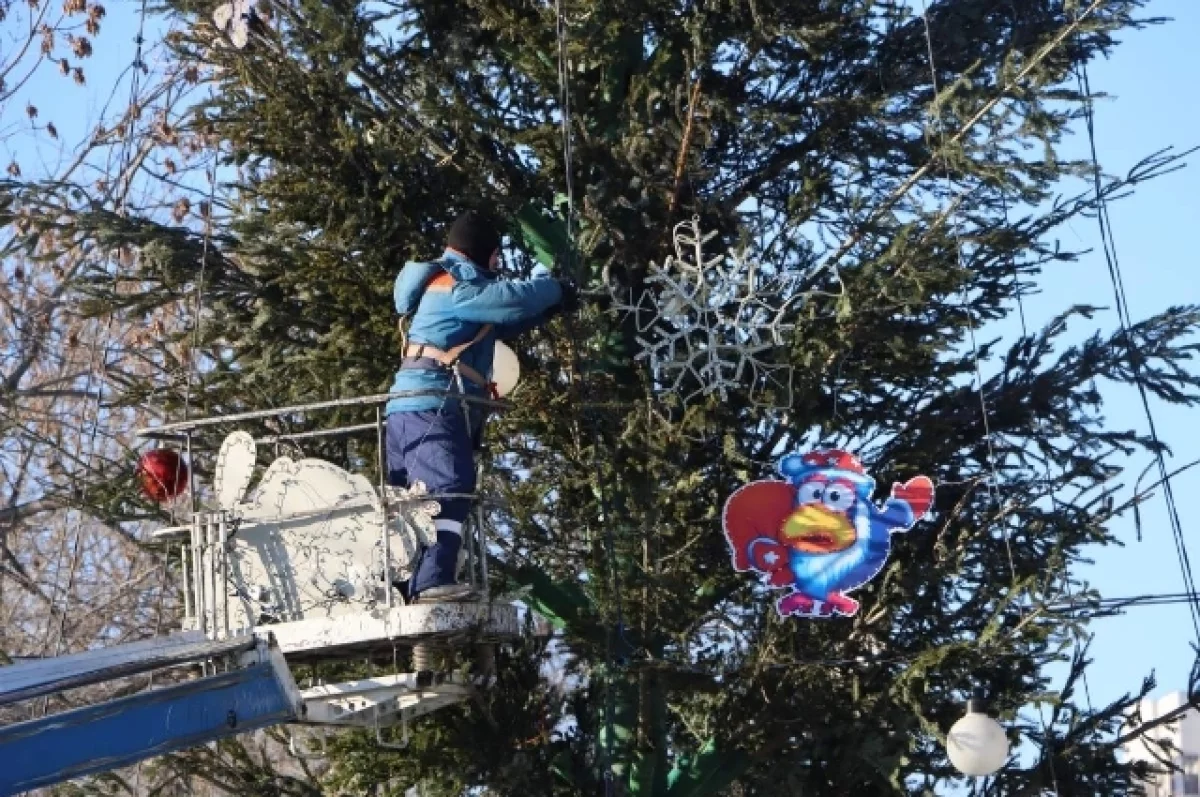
<point>122,732</point>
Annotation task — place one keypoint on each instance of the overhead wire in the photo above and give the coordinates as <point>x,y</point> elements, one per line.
<point>1103,608</point>
<point>138,66</point>
<point>208,218</point>
<point>1190,596</point>
<point>1104,221</point>
<point>564,100</point>
<point>1049,484</point>
<point>1116,605</point>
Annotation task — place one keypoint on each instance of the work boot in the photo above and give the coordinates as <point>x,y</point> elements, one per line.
<point>434,576</point>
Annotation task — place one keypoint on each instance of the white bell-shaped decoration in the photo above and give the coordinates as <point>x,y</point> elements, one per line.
<point>506,369</point>
<point>977,744</point>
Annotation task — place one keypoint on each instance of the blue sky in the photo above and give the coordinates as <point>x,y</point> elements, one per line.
<point>1155,104</point>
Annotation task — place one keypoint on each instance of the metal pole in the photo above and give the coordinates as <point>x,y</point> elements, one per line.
<point>483,554</point>
<point>194,502</point>
<point>469,544</point>
<point>471,537</point>
<point>381,441</point>
<point>210,537</point>
<point>339,432</point>
<point>187,582</point>
<point>224,554</point>
<point>187,427</point>
<point>468,534</point>
<point>198,572</point>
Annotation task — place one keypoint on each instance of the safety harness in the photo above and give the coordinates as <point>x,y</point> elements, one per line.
<point>450,359</point>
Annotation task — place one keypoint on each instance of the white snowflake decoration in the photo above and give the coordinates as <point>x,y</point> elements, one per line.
<point>710,324</point>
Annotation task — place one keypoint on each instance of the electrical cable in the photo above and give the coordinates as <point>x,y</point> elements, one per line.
<point>564,99</point>
<point>198,310</point>
<point>1114,270</point>
<point>1104,607</point>
<point>1114,605</point>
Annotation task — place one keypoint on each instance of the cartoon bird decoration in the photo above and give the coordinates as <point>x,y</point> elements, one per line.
<point>818,532</point>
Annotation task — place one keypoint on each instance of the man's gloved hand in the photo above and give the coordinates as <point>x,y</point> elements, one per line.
<point>569,303</point>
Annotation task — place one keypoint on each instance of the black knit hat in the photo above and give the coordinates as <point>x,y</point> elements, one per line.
<point>475,237</point>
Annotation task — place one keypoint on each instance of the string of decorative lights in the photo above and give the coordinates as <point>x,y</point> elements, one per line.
<point>192,371</point>
<point>137,68</point>
<point>952,222</point>
<point>616,631</point>
<point>905,187</point>
<point>95,416</point>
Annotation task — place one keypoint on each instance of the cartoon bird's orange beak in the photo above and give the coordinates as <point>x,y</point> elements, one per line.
<point>814,529</point>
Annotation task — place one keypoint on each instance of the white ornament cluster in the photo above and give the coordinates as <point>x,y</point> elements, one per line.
<point>709,324</point>
<point>233,20</point>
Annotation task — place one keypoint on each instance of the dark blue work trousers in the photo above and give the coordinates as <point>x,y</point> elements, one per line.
<point>435,447</point>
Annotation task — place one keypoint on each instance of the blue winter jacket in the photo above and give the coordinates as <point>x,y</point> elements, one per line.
<point>447,318</point>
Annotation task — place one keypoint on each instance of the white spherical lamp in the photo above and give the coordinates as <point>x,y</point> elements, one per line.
<point>506,369</point>
<point>977,744</point>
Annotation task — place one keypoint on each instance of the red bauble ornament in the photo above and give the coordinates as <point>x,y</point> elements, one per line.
<point>163,474</point>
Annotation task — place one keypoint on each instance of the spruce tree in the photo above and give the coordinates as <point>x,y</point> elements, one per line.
<point>790,128</point>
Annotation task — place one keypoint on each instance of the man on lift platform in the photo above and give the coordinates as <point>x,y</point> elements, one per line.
<point>459,309</point>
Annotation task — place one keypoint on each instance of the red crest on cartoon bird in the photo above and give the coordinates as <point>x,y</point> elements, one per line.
<point>818,531</point>
<point>829,458</point>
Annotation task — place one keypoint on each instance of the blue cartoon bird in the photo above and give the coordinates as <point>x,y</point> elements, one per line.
<point>818,532</point>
